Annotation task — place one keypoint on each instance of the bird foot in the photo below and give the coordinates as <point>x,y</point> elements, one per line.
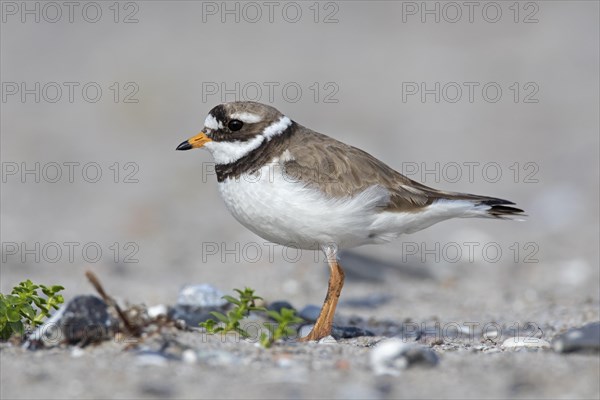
<point>317,333</point>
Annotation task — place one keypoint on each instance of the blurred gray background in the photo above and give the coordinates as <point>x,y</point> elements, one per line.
<point>179,59</point>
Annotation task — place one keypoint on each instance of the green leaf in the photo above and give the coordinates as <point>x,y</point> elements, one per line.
<point>221,317</point>
<point>209,325</point>
<point>6,332</point>
<point>17,327</point>
<point>13,314</point>
<point>232,300</point>
<point>28,312</point>
<point>275,315</point>
<point>52,290</point>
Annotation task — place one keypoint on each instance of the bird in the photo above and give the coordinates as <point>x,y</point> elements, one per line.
<point>299,188</point>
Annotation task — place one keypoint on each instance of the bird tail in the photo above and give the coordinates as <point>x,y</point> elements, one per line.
<point>501,209</point>
<point>489,207</point>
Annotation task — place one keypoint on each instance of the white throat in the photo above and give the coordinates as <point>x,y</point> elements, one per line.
<point>229,152</point>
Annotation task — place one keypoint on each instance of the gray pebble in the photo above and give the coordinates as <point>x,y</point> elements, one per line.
<point>391,356</point>
<point>525,342</point>
<point>584,339</point>
<point>349,332</point>
<point>201,296</point>
<point>310,313</point>
<point>195,303</point>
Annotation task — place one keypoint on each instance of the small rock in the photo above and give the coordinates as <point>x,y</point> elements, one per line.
<point>393,355</point>
<point>584,339</point>
<point>304,330</point>
<point>83,320</point>
<point>310,313</point>
<point>525,342</point>
<point>189,356</point>
<point>77,352</point>
<point>158,310</point>
<point>201,296</point>
<point>195,303</point>
<point>349,332</point>
<point>327,340</point>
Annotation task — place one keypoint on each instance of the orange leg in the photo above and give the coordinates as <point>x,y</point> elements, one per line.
<point>324,323</point>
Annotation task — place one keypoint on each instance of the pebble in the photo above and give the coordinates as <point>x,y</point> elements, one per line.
<point>77,352</point>
<point>304,330</point>
<point>391,356</point>
<point>158,310</point>
<point>584,339</point>
<point>203,296</point>
<point>349,332</point>
<point>310,313</point>
<point>195,303</point>
<point>82,321</point>
<point>525,342</point>
<point>189,356</point>
<point>327,340</point>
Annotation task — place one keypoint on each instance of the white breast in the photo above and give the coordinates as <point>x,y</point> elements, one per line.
<point>284,211</point>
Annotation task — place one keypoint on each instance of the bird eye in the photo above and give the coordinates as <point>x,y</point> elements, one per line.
<point>235,125</point>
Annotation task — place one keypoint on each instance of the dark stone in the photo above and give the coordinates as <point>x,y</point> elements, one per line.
<point>310,313</point>
<point>192,316</point>
<point>349,332</point>
<point>584,339</point>
<point>82,321</point>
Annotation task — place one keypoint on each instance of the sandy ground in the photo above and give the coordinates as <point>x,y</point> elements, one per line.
<point>156,217</point>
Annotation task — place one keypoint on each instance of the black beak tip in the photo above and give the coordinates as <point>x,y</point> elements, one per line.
<point>184,146</point>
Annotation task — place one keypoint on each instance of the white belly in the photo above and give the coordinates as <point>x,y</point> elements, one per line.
<point>286,212</point>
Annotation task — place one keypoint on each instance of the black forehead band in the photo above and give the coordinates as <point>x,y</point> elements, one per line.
<point>219,113</point>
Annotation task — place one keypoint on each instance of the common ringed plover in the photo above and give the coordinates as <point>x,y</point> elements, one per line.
<point>296,187</point>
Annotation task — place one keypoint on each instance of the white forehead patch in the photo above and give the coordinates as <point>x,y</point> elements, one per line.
<point>211,123</point>
<point>277,128</point>
<point>246,117</point>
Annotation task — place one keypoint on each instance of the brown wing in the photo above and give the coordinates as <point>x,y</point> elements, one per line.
<point>341,170</point>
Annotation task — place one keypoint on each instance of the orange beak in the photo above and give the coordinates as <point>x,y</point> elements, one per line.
<point>194,142</point>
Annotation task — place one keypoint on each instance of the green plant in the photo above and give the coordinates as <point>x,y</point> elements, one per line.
<point>282,329</point>
<point>25,306</point>
<point>231,321</point>
<point>241,309</point>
